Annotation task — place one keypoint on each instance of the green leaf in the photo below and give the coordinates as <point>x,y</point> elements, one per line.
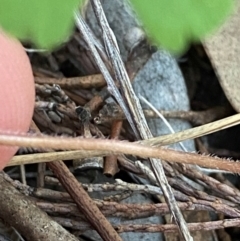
<point>45,23</point>
<point>173,24</point>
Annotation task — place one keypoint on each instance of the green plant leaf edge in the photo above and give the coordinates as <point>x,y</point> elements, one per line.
<point>45,23</point>
<point>173,24</point>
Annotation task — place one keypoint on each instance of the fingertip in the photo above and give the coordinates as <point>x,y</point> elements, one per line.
<point>16,92</point>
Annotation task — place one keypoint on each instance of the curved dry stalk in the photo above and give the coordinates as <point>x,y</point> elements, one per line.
<point>194,132</point>
<point>163,119</point>
<point>119,147</point>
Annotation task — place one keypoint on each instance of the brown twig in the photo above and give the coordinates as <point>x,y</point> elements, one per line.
<point>86,82</point>
<point>212,225</point>
<point>153,228</point>
<point>84,202</point>
<point>222,189</point>
<point>112,208</point>
<point>195,117</point>
<point>136,211</point>
<point>50,195</point>
<point>121,187</point>
<point>111,164</point>
<point>122,210</point>
<point>26,217</point>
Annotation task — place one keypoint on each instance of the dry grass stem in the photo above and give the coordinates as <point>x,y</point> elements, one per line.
<point>194,132</point>
<point>119,147</point>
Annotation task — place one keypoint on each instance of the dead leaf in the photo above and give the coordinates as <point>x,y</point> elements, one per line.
<point>223,50</point>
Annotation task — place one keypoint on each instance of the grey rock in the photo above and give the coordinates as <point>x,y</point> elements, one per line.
<point>160,81</point>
